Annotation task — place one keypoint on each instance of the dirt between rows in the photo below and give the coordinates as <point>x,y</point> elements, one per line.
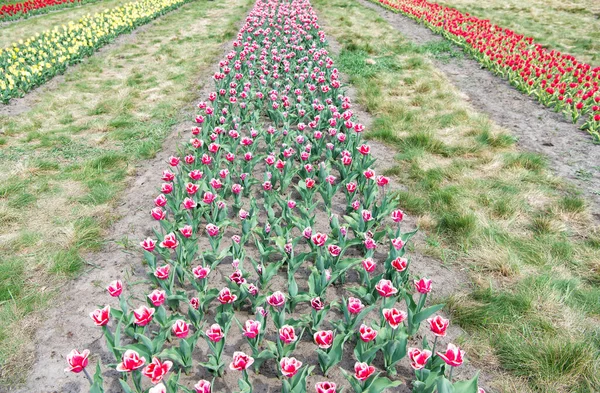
<point>68,325</point>
<point>571,153</point>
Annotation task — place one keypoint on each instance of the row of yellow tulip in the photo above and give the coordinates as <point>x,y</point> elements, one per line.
<point>30,63</point>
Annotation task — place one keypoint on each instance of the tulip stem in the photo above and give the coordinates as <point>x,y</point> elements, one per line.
<point>450,375</point>
<point>88,376</point>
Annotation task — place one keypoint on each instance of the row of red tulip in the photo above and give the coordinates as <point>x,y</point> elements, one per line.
<point>276,149</point>
<point>556,79</point>
<point>32,7</point>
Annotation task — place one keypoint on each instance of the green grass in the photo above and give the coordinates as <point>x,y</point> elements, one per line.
<point>526,237</point>
<point>69,157</point>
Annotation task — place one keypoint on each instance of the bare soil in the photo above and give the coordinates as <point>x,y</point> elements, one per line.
<point>570,151</point>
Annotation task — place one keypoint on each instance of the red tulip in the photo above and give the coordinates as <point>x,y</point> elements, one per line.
<point>226,297</point>
<point>277,299</point>
<point>148,244</point>
<point>394,317</point>
<point>364,149</point>
<point>367,334</point>
<point>367,216</point>
<point>385,288</point>
<point>382,181</point>
<point>157,297</point>
<point>186,231</point>
<point>203,386</point>
<point>180,329</point>
<point>160,388</point>
<point>196,174</point>
<point>212,230</point>
<point>189,203</point>
<point>215,333</point>
<point>423,285</point>
<point>369,265</point>
<point>170,241</point>
<point>158,213</point>
<point>355,306</point>
<point>241,361</point>
<point>162,272</point>
<point>251,328</point>
<point>325,387</point>
<point>166,188</point>
<point>400,264</point>
<point>77,360</point>
<point>334,250</point>
<point>115,288</point>
<point>453,355</point>
<point>362,371</point>
<point>157,369</point>
<point>438,325</point>
<point>324,338</point>
<point>130,361</point>
<point>418,358</point>
<point>174,161</point>
<point>101,316</point>
<point>289,366</point>
<point>143,315</point>
<point>287,334</point>
<point>201,272</point>
<point>319,239</point>
<point>317,304</point>
<point>398,243</point>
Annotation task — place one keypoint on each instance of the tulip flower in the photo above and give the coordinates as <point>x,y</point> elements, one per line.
<point>418,358</point>
<point>156,370</point>
<point>101,316</point>
<point>203,386</point>
<point>289,366</point>
<point>453,355</point>
<point>157,297</point>
<point>240,361</point>
<point>323,338</point>
<point>143,315</point>
<point>180,329</point>
<point>160,388</point>
<point>77,361</point>
<point>326,387</point>
<point>130,361</point>
<point>115,288</point>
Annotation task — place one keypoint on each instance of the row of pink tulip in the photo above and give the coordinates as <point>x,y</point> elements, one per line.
<point>276,148</point>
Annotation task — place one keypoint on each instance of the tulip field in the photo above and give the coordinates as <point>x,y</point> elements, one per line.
<point>31,63</point>
<point>287,196</point>
<point>17,10</point>
<point>276,145</point>
<point>556,79</point>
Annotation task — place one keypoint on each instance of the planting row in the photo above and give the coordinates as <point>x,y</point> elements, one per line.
<point>26,65</point>
<point>556,79</point>
<point>33,7</point>
<point>272,219</point>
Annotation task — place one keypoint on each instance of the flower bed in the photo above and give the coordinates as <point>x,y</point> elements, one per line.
<point>276,236</point>
<point>26,65</point>
<point>33,7</point>
<point>556,79</point>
